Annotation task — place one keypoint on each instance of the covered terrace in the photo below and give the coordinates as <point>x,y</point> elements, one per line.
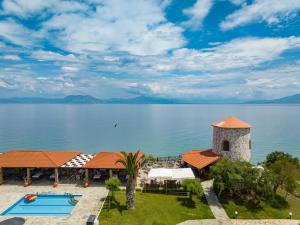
<point>103,166</point>
<point>34,159</point>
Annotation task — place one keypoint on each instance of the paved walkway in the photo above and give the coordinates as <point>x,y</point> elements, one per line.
<point>214,204</point>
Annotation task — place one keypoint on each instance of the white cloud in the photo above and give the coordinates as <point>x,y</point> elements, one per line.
<point>70,68</point>
<point>238,2</point>
<point>11,57</point>
<point>238,53</point>
<point>41,55</point>
<point>281,80</point>
<point>30,8</point>
<point>137,27</point>
<point>269,11</point>
<point>16,33</point>
<point>197,13</point>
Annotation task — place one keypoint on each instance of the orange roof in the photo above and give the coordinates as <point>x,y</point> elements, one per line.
<point>232,122</point>
<point>35,158</point>
<point>200,158</point>
<point>106,160</point>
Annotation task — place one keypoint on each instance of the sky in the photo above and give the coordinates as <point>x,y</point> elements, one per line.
<point>191,49</point>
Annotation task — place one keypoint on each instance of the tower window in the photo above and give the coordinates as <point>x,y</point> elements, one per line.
<point>225,146</point>
<point>250,144</point>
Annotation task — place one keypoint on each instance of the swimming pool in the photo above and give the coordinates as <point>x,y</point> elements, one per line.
<point>43,205</point>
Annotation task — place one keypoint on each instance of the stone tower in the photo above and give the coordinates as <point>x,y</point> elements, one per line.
<point>231,138</point>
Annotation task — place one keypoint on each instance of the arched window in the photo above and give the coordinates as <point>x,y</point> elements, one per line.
<point>225,145</point>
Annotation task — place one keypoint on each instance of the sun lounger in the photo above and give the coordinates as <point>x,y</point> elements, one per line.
<point>96,177</point>
<point>52,177</point>
<point>37,175</point>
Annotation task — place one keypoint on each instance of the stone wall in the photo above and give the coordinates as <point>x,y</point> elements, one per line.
<point>238,142</point>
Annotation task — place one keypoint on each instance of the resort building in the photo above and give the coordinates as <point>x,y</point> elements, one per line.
<point>16,161</point>
<point>231,139</point>
<point>70,167</point>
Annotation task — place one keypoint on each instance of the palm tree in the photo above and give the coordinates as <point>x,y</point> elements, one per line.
<point>132,162</point>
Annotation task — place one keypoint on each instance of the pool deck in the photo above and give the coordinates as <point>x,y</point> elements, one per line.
<point>90,203</point>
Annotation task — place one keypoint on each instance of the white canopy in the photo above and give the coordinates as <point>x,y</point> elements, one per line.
<point>171,174</point>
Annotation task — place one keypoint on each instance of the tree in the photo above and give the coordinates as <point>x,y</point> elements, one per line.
<point>112,185</point>
<point>193,187</point>
<point>286,174</point>
<point>276,156</point>
<point>132,162</point>
<point>237,179</point>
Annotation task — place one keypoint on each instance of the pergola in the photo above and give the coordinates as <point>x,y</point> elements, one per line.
<point>171,174</point>
<point>31,159</point>
<point>166,174</point>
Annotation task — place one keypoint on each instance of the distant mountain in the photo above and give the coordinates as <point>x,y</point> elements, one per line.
<point>71,99</point>
<point>81,99</point>
<point>143,100</point>
<point>293,99</point>
<point>86,99</point>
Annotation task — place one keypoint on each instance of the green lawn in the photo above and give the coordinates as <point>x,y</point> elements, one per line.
<point>155,209</point>
<point>264,211</point>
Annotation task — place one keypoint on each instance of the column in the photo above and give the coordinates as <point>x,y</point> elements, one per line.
<point>86,174</point>
<point>28,176</point>
<point>86,178</point>
<point>56,181</point>
<point>110,173</point>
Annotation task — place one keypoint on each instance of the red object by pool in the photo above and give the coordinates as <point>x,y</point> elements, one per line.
<point>30,197</point>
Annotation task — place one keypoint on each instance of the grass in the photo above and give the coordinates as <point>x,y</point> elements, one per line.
<point>264,210</point>
<point>155,209</point>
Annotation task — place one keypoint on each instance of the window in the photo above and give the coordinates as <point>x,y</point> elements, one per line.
<point>250,144</point>
<point>225,145</point>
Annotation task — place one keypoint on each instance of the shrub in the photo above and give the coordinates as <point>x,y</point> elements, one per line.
<point>193,187</point>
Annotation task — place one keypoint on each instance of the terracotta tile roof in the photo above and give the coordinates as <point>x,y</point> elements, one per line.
<point>200,158</point>
<point>232,122</point>
<point>35,158</point>
<point>106,160</point>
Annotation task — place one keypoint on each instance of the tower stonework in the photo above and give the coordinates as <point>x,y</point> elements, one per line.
<point>232,139</point>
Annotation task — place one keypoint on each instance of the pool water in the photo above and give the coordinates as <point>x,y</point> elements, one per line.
<point>43,205</point>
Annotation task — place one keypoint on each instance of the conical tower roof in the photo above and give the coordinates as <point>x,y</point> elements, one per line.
<point>231,122</point>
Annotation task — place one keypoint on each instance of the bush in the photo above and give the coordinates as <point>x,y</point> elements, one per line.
<point>193,187</point>
<point>150,157</point>
<point>112,185</point>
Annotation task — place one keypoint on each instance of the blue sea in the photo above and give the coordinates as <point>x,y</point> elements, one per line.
<point>161,130</point>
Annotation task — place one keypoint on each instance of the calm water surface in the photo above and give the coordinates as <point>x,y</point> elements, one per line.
<point>158,129</point>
